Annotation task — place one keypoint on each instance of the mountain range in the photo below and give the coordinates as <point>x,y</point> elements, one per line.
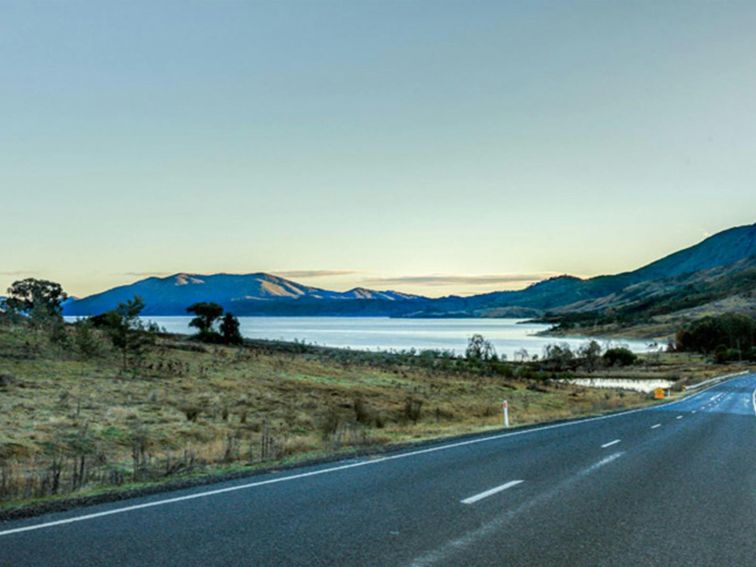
<point>720,267</point>
<point>243,294</point>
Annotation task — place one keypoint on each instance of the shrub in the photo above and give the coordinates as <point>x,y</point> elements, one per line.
<point>361,412</point>
<point>6,380</point>
<point>86,341</point>
<point>329,424</point>
<point>723,354</point>
<point>191,413</point>
<point>619,356</point>
<point>412,409</point>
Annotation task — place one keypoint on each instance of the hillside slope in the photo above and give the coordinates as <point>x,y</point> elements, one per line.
<point>722,256</point>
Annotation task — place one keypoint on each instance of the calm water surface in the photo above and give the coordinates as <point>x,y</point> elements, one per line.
<point>379,333</point>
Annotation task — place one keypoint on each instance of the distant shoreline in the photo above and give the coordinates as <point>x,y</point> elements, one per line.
<point>508,335</point>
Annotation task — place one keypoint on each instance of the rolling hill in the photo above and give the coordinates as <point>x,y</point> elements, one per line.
<point>735,247</point>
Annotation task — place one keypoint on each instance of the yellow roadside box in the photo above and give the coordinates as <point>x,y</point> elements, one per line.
<point>659,394</point>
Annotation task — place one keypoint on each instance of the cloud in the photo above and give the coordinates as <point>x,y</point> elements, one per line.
<point>452,279</point>
<point>143,274</point>
<point>314,273</point>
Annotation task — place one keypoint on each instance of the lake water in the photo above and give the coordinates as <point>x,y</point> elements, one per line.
<point>380,333</point>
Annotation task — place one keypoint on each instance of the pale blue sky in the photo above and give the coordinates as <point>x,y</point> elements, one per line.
<point>412,144</point>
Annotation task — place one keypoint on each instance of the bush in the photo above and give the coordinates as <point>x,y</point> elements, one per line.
<point>87,343</point>
<point>6,380</point>
<point>724,354</point>
<point>329,424</point>
<point>191,413</point>
<point>361,412</point>
<point>412,409</point>
<point>619,356</point>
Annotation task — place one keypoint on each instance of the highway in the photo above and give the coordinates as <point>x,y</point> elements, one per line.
<point>669,485</point>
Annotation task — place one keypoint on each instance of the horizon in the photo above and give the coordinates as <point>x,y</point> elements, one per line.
<point>434,150</point>
<point>299,276</point>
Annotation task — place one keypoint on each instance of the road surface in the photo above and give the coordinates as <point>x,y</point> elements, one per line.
<point>671,485</point>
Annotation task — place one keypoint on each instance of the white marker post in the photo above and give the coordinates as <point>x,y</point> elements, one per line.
<point>505,410</point>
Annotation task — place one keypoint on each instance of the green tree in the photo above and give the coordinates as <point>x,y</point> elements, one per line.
<point>479,349</point>
<point>86,340</point>
<point>229,329</point>
<point>206,315</point>
<point>558,356</point>
<point>127,331</point>
<point>591,355</point>
<point>39,300</point>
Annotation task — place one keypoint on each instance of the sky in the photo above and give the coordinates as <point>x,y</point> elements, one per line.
<point>433,147</point>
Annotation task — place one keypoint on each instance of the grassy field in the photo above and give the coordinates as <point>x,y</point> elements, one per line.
<point>72,425</point>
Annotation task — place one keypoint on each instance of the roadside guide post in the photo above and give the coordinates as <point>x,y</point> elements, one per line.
<point>505,410</point>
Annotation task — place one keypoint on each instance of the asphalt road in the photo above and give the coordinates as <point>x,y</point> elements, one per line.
<point>671,485</point>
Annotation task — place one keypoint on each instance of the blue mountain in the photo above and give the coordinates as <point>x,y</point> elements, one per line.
<point>243,294</point>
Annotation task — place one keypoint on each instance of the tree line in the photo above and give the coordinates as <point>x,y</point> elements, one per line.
<point>727,337</point>
<point>556,357</point>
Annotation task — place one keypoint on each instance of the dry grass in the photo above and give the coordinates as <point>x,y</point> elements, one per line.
<point>70,425</point>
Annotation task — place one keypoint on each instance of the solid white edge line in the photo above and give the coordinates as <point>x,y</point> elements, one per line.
<point>605,445</point>
<point>491,492</point>
<point>347,466</point>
